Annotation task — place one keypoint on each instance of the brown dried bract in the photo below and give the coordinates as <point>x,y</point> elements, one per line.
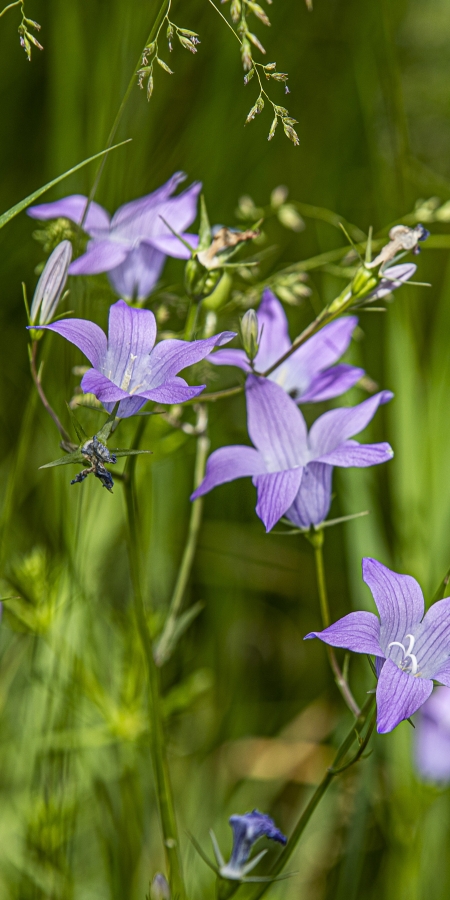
<point>401,238</point>
<point>225,239</point>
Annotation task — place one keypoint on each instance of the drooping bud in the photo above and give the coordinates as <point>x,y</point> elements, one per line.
<point>159,889</point>
<point>249,333</point>
<point>51,285</point>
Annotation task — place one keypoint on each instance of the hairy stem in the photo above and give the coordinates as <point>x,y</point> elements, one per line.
<point>354,734</point>
<point>37,380</point>
<point>157,736</point>
<point>316,539</point>
<point>188,555</point>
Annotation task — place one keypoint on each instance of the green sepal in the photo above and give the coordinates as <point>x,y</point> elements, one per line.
<point>75,457</point>
<point>77,426</point>
<point>204,231</point>
<point>129,452</point>
<point>105,432</point>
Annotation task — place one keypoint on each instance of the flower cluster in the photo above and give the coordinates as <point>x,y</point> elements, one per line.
<point>291,467</point>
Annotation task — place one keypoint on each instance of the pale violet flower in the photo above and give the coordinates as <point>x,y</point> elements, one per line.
<point>432,738</point>
<point>309,374</point>
<point>132,245</point>
<point>291,468</point>
<point>411,649</point>
<point>128,366</point>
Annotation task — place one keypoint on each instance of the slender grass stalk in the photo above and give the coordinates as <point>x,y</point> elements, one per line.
<point>157,737</point>
<point>188,554</point>
<point>35,374</point>
<point>316,538</point>
<point>163,10</point>
<point>332,772</point>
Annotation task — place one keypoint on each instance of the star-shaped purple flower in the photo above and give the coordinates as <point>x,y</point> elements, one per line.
<point>410,649</point>
<point>309,375</point>
<point>290,468</point>
<point>128,366</point>
<point>132,245</point>
<point>432,738</point>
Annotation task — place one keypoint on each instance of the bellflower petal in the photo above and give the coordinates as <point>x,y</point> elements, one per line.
<point>94,382</point>
<point>331,383</point>
<point>443,674</point>
<point>131,337</point>
<point>137,275</point>
<point>170,244</point>
<point>87,336</point>
<point>100,256</point>
<point>276,493</point>
<point>432,738</point>
<point>169,357</point>
<point>227,464</point>
<point>318,353</point>
<point>140,207</point>
<point>231,358</point>
<point>132,246</point>
<point>399,696</point>
<point>351,453</point>
<point>273,329</point>
<point>337,425</point>
<point>174,391</point>
<point>129,367</point>
<point>393,278</point>
<point>313,500</point>
<point>399,601</point>
<point>275,425</point>
<point>359,631</point>
<point>432,646</point>
<point>73,208</point>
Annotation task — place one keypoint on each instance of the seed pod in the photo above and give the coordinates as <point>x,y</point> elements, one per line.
<point>272,128</point>
<point>164,65</point>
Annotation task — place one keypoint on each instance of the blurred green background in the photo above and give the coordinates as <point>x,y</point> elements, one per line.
<point>252,712</point>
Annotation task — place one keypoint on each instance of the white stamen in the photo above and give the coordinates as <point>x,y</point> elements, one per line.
<point>407,653</point>
<point>128,373</point>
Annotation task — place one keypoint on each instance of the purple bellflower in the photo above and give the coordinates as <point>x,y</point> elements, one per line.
<point>309,375</point>
<point>132,245</point>
<point>432,738</point>
<point>290,468</point>
<point>247,830</point>
<point>410,649</point>
<point>128,366</point>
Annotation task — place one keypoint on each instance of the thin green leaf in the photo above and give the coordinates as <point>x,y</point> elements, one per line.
<point>205,228</point>
<point>105,432</point>
<point>19,207</point>
<point>75,457</point>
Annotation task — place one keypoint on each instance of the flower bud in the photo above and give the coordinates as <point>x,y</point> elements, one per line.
<point>249,333</point>
<point>363,282</point>
<point>159,889</point>
<point>51,284</point>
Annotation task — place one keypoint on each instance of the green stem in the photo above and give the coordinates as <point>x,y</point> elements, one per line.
<point>316,538</point>
<point>353,735</point>
<point>10,6</point>
<point>118,119</point>
<point>188,555</point>
<point>157,737</point>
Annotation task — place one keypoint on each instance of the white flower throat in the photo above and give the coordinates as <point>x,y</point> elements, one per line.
<point>411,666</point>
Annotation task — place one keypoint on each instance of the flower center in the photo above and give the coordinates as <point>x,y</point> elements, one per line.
<point>411,666</point>
<point>128,372</point>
